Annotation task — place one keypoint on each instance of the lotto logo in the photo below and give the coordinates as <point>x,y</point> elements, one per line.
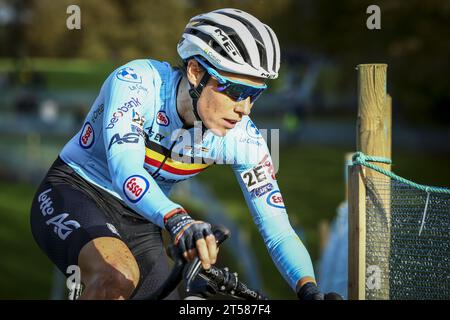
<point>87,136</point>
<point>275,199</point>
<point>135,188</point>
<point>162,119</point>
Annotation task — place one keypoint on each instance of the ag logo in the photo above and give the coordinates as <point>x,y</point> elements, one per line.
<point>252,131</point>
<point>275,199</point>
<point>135,187</point>
<point>127,138</point>
<point>61,226</point>
<point>162,119</point>
<point>87,136</point>
<point>127,74</point>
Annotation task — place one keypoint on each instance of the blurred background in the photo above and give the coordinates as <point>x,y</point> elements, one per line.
<point>50,75</point>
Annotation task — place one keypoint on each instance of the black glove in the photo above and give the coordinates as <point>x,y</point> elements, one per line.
<point>309,291</point>
<point>184,230</point>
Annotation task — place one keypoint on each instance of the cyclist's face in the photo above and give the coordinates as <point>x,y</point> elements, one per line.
<point>219,112</point>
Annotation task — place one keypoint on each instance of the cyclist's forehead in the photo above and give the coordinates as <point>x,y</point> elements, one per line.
<point>242,78</point>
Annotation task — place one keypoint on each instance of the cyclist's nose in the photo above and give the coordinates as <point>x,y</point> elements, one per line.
<point>244,106</point>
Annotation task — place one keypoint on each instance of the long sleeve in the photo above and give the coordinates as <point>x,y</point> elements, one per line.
<point>125,146</point>
<point>255,174</point>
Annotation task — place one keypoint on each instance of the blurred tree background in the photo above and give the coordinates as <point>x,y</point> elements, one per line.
<point>414,39</point>
<point>49,76</point>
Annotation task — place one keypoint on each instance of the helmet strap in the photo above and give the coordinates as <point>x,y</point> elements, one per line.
<point>195,95</point>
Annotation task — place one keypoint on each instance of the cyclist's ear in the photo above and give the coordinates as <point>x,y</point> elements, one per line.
<point>194,72</point>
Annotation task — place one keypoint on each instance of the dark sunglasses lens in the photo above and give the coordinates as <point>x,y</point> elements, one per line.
<point>236,92</point>
<point>239,92</point>
<point>256,95</point>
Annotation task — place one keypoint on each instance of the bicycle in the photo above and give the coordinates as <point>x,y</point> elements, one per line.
<point>216,281</point>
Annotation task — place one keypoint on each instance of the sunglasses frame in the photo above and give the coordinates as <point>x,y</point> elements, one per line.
<point>228,82</point>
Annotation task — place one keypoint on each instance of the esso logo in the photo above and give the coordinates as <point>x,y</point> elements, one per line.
<point>275,199</point>
<point>252,131</point>
<point>87,136</point>
<point>162,119</point>
<point>135,187</point>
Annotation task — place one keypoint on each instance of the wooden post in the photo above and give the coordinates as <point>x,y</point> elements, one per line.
<point>371,137</point>
<point>373,133</point>
<point>356,233</point>
<point>387,119</point>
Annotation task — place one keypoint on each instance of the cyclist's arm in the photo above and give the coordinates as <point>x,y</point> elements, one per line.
<point>264,200</point>
<point>125,148</point>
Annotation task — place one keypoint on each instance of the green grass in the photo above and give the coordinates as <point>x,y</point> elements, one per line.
<point>25,272</point>
<point>63,73</point>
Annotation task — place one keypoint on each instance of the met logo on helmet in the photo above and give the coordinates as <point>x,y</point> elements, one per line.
<point>129,75</point>
<point>87,136</point>
<point>135,187</point>
<point>226,42</point>
<point>162,119</point>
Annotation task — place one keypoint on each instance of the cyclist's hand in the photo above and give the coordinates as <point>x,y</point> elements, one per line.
<point>192,237</point>
<point>309,291</point>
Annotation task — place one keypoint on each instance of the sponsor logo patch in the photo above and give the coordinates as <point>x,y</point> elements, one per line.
<point>275,199</point>
<point>259,192</point>
<point>134,102</point>
<point>162,119</point>
<point>62,227</point>
<point>127,138</point>
<point>135,188</point>
<point>97,112</point>
<point>87,136</point>
<point>45,202</point>
<point>252,131</point>
<point>138,88</point>
<point>129,75</point>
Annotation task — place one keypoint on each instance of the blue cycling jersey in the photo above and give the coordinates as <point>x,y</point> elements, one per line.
<point>133,145</point>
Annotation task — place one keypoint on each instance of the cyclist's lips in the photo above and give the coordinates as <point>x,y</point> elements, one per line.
<point>229,123</point>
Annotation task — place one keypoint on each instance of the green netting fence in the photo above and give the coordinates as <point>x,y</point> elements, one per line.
<point>407,244</point>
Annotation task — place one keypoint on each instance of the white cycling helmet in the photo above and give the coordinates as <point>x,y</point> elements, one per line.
<point>232,40</point>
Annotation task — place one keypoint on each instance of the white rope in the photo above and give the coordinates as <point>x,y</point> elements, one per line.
<point>424,213</point>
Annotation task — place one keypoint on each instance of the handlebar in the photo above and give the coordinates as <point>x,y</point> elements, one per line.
<point>219,280</point>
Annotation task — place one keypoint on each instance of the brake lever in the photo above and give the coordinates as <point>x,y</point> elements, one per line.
<point>192,269</point>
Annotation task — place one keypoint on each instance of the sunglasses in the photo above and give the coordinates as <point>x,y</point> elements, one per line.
<point>234,89</point>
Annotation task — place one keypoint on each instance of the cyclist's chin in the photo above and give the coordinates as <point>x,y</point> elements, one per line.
<point>217,129</point>
<point>220,132</point>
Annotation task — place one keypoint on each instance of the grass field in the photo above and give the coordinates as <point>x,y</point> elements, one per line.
<point>25,272</point>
